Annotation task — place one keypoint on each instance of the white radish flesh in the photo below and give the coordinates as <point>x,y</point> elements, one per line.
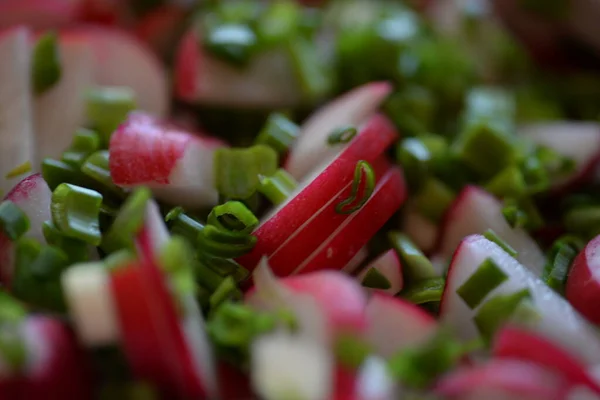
<point>422,231</point>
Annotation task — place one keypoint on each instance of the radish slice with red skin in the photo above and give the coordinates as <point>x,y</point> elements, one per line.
<point>61,110</point>
<point>351,109</point>
<point>557,319</point>
<point>154,233</point>
<point>475,211</point>
<point>422,232</point>
<point>394,324</point>
<point>370,382</point>
<point>502,380</point>
<point>17,143</point>
<point>268,81</point>
<point>583,284</point>
<point>120,59</point>
<point>33,196</point>
<point>388,265</point>
<point>515,343</point>
<point>318,192</point>
<point>177,165</point>
<point>38,14</point>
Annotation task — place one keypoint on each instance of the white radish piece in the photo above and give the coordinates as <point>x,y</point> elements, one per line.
<point>583,283</point>
<point>557,320</point>
<point>61,110</point>
<point>351,109</point>
<point>17,143</point>
<point>475,211</point>
<point>374,381</point>
<point>388,264</point>
<point>421,231</point>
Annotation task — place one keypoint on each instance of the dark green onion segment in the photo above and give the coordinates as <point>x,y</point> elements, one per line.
<point>415,265</point>
<point>486,278</point>
<point>277,187</point>
<point>13,221</point>
<point>45,66</point>
<point>278,133</point>
<point>496,311</point>
<point>75,212</point>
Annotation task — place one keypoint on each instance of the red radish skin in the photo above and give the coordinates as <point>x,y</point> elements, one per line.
<point>557,319</point>
<point>351,109</point>
<point>159,28</point>
<point>38,14</point>
<point>17,143</point>
<point>320,191</point>
<point>389,265</point>
<point>177,165</point>
<point>583,284</point>
<point>519,344</point>
<point>394,324</point>
<point>473,212</point>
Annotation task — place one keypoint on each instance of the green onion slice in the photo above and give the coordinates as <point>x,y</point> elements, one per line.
<point>434,199</point>
<point>492,236</point>
<point>278,187</point>
<point>424,291</point>
<point>312,73</point>
<point>233,216</point>
<point>97,168</point>
<point>77,250</point>
<point>56,172</point>
<point>362,168</point>
<point>560,257</point>
<point>376,280</point>
<point>176,259</point>
<point>508,182</point>
<point>234,43</point>
<point>496,311</point>
<point>342,135</point>
<point>128,221</point>
<point>13,221</point>
<point>107,107</point>
<point>278,133</point>
<point>415,265</point>
<point>174,213</point>
<point>19,170</point>
<point>84,143</point>
<point>226,291</point>
<point>75,212</point>
<point>486,278</point>
<point>46,63</point>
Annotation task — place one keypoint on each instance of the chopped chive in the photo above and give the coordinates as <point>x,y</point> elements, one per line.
<point>77,250</point>
<point>278,133</point>
<point>96,167</point>
<point>19,170</point>
<point>227,291</point>
<point>107,107</point>
<point>46,64</point>
<point>312,73</point>
<point>583,220</point>
<point>424,291</point>
<point>362,168</point>
<point>486,278</point>
<point>84,143</point>
<point>376,280</point>
<point>279,22</point>
<point>560,257</point>
<point>496,311</point>
<point>415,158</point>
<point>56,172</point>
<point>118,259</point>
<point>351,351</point>
<point>491,236</point>
<point>225,267</point>
<point>233,216</point>
<point>415,265</point>
<point>185,226</point>
<point>128,221</point>
<point>412,109</point>
<point>277,187</point>
<point>433,199</point>
<point>342,135</point>
<point>75,211</point>
<point>174,213</point>
<point>13,221</point>
<point>522,213</point>
<point>535,175</point>
<point>508,182</point>
<point>234,43</point>
<point>218,243</point>
<point>176,259</point>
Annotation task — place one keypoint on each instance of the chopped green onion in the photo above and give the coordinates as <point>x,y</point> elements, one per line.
<point>278,133</point>
<point>496,311</point>
<point>75,212</point>
<point>118,259</point>
<point>278,23</point>
<point>234,43</point>
<point>376,280</point>
<point>77,250</point>
<point>490,105</point>
<point>555,164</point>
<point>12,345</point>
<point>342,135</point>
<point>176,259</point>
<point>415,158</point>
<point>174,213</point>
<point>128,221</point>
<point>526,314</point>
<point>491,236</point>
<point>46,64</point>
<point>11,310</point>
<point>13,221</point>
<point>412,109</point>
<point>19,170</point>
<point>85,142</point>
<point>508,182</point>
<point>560,258</point>
<point>107,107</point>
<point>224,244</point>
<point>433,199</point>
<point>233,216</point>
<point>522,213</point>
<point>226,291</point>
<point>238,170</point>
<point>415,265</point>
<point>96,167</point>
<point>424,291</point>
<point>56,172</point>
<point>312,73</point>
<point>351,351</point>
<point>184,225</point>
<point>486,278</point>
<point>362,168</point>
<point>225,267</point>
<point>277,187</point>
<point>584,220</point>
<point>535,175</point>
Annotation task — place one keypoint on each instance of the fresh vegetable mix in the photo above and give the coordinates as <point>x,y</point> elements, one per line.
<point>345,199</point>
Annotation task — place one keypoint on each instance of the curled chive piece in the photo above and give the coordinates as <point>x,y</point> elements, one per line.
<point>342,135</point>
<point>46,68</point>
<point>234,43</point>
<point>278,133</point>
<point>362,168</point>
<point>351,350</point>
<point>77,250</point>
<point>376,280</point>
<point>491,235</point>
<point>233,216</point>
<point>107,107</point>
<point>277,187</point>
<point>75,212</point>
<point>424,291</point>
<point>176,259</point>
<point>19,170</point>
<point>226,291</point>
<point>496,311</point>
<point>415,265</point>
<point>84,143</point>
<point>96,167</point>
<point>174,213</point>
<point>128,221</point>
<point>433,199</point>
<point>13,221</point>
<point>237,171</point>
<point>56,172</point>
<point>560,257</point>
<point>486,278</point>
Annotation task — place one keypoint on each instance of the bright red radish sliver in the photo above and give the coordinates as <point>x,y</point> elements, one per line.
<point>583,284</point>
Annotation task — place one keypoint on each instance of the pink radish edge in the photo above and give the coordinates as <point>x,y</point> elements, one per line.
<point>583,284</point>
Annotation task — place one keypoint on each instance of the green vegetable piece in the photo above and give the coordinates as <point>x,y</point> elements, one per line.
<point>351,350</point>
<point>13,221</point>
<point>486,278</point>
<point>278,187</point>
<point>433,199</point>
<point>583,220</point>
<point>279,22</point>
<point>313,75</point>
<point>224,244</point>
<point>224,267</point>
<point>56,172</point>
<point>491,235</point>
<point>376,280</point>
<point>424,291</point>
<point>342,135</point>
<point>233,216</point>
<point>118,259</point>
<point>11,310</point>
<point>96,167</point>
<point>12,347</point>
<point>77,250</point>
<point>490,105</point>
<point>507,183</point>
<point>496,311</point>
<point>176,259</point>
<point>354,203</point>
<point>75,212</point>
<point>278,133</point>
<point>46,64</point>
<point>185,226</point>
<point>560,257</point>
<point>85,142</point>
<point>174,213</point>
<point>107,107</point>
<point>522,212</point>
<point>128,221</point>
<point>234,43</point>
<point>535,175</point>
<point>415,265</point>
<point>412,109</point>
<point>415,158</point>
<point>19,170</point>
<point>226,291</point>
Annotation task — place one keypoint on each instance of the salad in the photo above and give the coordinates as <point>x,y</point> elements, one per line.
<point>345,199</point>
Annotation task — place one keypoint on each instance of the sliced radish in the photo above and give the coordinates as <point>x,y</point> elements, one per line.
<point>557,320</point>
<point>352,109</point>
<point>86,288</point>
<point>422,231</point>
<point>154,233</point>
<point>388,265</point>
<point>177,165</point>
<point>519,344</point>
<point>394,324</point>
<point>320,192</point>
<point>372,381</point>
<point>579,141</point>
<point>476,211</point>
<point>268,81</point>
<point>17,144</point>
<point>502,380</point>
<point>33,196</point>
<point>583,284</point>
<point>61,110</point>
<point>121,60</point>
<point>38,14</point>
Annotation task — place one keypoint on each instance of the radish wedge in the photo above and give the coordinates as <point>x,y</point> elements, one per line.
<point>556,319</point>
<point>121,60</point>
<point>388,265</point>
<point>267,82</point>
<point>476,211</point>
<point>394,324</point>
<point>16,131</point>
<point>583,284</point>
<point>319,193</point>
<point>61,110</point>
<point>422,232</point>
<point>33,196</point>
<point>502,380</point>
<point>38,14</point>
<point>579,141</point>
<point>514,343</point>
<point>177,165</point>
<point>352,109</point>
